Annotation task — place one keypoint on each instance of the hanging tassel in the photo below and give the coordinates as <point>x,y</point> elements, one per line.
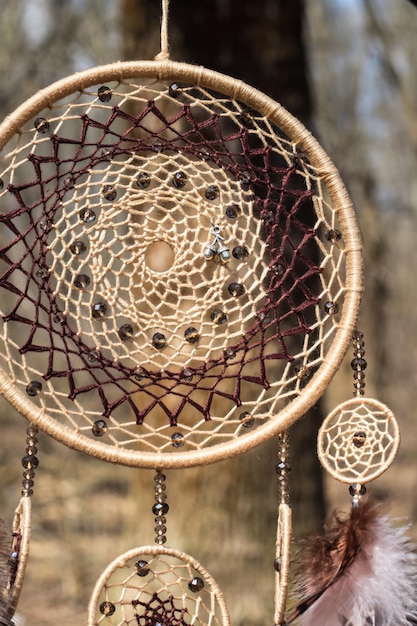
<point>363,572</point>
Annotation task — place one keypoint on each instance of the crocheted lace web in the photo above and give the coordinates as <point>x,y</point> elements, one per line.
<point>172,267</point>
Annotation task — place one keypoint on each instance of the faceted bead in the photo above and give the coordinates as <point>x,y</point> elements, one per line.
<point>160,478</point>
<point>177,440</point>
<point>157,146</point>
<point>160,541</point>
<point>93,356</point>
<point>78,247</point>
<point>126,332</point>
<point>212,192</point>
<point>159,341</point>
<point>245,178</point>
<point>278,269</point>
<point>160,508</point>
<point>191,335</point>
<point>28,474</point>
<point>247,419</point>
<point>82,281</point>
<point>358,364</point>
<point>357,489</point>
<point>88,216</point>
<point>98,310</point>
<point>277,565</point>
<point>27,484</point>
<point>218,316</point>
<point>204,154</point>
<point>46,225</point>
<point>104,93</point>
<point>161,496</point>
<point>142,568</point>
<point>179,180</point>
<point>230,352</point>
<point>331,308</point>
<point>32,430</point>
<point>357,336</point>
<point>359,439</point>
<point>174,90</point>
<point>109,193</point>
<point>160,487</point>
<point>333,235</point>
<point>196,584</point>
<point>99,428</point>
<point>30,462</point>
<point>240,252</point>
<point>143,180</point>
<point>232,211</point>
<point>34,388</point>
<point>69,181</point>
<point>139,373</point>
<point>187,375</point>
<point>43,272</point>
<point>358,375</point>
<point>41,125</point>
<point>236,289</point>
<point>160,530</point>
<point>107,608</point>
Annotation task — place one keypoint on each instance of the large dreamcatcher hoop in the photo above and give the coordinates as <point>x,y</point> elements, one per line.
<point>180,264</point>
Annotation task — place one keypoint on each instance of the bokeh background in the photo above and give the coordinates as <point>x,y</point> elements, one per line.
<point>347,69</point>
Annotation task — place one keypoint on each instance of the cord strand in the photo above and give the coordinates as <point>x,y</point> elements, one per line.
<point>164,54</point>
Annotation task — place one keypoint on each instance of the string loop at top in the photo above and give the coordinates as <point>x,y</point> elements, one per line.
<point>164,54</point>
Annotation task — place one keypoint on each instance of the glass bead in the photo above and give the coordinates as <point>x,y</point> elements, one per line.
<point>178,440</point>
<point>78,247</point>
<point>30,461</point>
<point>28,474</point>
<point>41,125</point>
<point>232,211</point>
<point>160,530</point>
<point>27,484</point>
<point>32,449</point>
<point>212,192</point>
<point>99,428</point>
<point>1,184</point>
<point>160,497</point>
<point>42,272</point>
<point>359,439</point>
<point>159,341</point>
<point>107,608</point>
<point>283,468</point>
<point>109,193</point>
<point>160,541</point>
<point>98,310</point>
<point>174,90</point>
<point>278,269</point>
<point>157,146</point>
<point>179,180</point>
<point>357,489</point>
<point>93,356</point>
<point>46,225</point>
<point>218,316</point>
<point>88,216</point>
<point>160,478</point>
<point>277,565</point>
<point>191,335</point>
<point>126,332</point>
<point>204,154</point>
<point>32,430</point>
<point>82,281</point>
<point>357,336</point>
<point>196,584</point>
<point>160,508</point>
<point>358,375</point>
<point>333,235</point>
<point>139,373</point>
<point>247,419</point>
<point>27,492</point>
<point>142,568</point>
<point>104,93</point>
<point>160,487</point>
<point>240,252</point>
<point>359,384</point>
<point>331,308</point>
<point>187,375</point>
<point>359,353</point>
<point>245,118</point>
<point>34,388</point>
<point>358,364</point>
<point>236,289</point>
<point>143,180</point>
<point>245,178</point>
<point>230,352</point>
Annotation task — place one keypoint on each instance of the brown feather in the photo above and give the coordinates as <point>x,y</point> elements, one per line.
<point>324,559</point>
<point>5,547</point>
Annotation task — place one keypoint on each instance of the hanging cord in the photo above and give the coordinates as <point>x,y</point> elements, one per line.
<point>164,54</point>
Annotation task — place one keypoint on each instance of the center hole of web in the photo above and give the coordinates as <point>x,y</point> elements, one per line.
<point>159,256</point>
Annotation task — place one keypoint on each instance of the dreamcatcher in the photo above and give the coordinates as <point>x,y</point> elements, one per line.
<point>180,279</point>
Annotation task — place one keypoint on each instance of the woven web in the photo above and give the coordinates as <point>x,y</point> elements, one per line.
<point>149,589</point>
<point>116,321</point>
<point>358,441</point>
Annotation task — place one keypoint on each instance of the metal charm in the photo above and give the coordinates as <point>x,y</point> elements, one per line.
<point>216,246</point>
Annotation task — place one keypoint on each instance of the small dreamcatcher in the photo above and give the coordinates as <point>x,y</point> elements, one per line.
<point>180,279</point>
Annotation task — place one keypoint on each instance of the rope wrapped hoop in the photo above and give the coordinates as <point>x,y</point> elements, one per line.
<point>180,264</point>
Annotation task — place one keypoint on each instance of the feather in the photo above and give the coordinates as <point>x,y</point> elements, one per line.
<point>5,548</point>
<point>363,572</point>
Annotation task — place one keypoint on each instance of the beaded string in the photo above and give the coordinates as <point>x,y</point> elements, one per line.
<point>160,508</point>
<point>30,461</point>
<point>358,365</point>
<point>282,554</point>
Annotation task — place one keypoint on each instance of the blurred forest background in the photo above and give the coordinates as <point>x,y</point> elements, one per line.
<point>347,69</point>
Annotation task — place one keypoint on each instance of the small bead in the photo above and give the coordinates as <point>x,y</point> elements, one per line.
<point>357,489</point>
<point>218,316</point>
<point>109,192</point>
<point>191,335</point>
<point>247,419</point>
<point>359,439</point>
<point>81,281</point>
<point>99,428</point>
<point>160,508</point>
<point>78,247</point>
<point>126,332</point>
<point>159,341</point>
<point>232,211</point>
<point>87,216</point>
<point>177,440</point>
<point>175,90</point>
<point>34,388</point>
<point>240,252</point>
<point>142,568</point>
<point>107,608</point>
<point>331,308</point>
<point>212,192</point>
<point>41,125</point>
<point>277,565</point>
<point>358,364</point>
<point>30,462</point>
<point>143,180</point>
<point>104,93</point>
<point>179,180</point>
<point>98,310</point>
<point>196,584</point>
<point>160,541</point>
<point>333,235</point>
<point>236,289</point>
<point>160,478</point>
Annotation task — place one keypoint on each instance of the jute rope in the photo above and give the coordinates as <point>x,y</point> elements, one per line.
<point>164,54</point>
